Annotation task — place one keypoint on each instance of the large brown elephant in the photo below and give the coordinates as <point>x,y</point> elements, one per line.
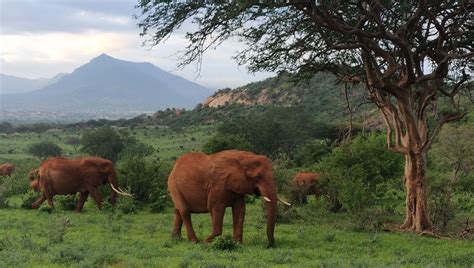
<point>61,176</point>
<point>201,183</point>
<point>305,183</point>
<point>6,169</point>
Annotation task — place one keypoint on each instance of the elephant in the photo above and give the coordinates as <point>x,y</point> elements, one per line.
<point>201,183</point>
<point>305,183</point>
<point>84,175</point>
<point>6,169</point>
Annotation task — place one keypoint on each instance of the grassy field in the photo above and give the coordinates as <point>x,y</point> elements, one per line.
<point>315,238</point>
<point>97,238</point>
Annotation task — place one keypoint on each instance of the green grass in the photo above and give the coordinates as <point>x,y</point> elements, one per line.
<point>36,238</point>
<point>168,143</point>
<point>95,238</point>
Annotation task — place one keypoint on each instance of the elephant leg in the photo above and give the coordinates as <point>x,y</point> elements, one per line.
<point>186,217</point>
<point>38,202</point>
<point>178,223</point>
<point>238,216</point>
<point>97,195</point>
<point>217,215</point>
<point>49,197</point>
<point>81,201</point>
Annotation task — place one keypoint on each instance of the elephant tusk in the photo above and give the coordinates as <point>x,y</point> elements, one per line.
<point>117,191</point>
<point>125,193</point>
<point>267,199</point>
<point>283,201</point>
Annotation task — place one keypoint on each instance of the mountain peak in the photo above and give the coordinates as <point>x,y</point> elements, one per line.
<point>103,57</point>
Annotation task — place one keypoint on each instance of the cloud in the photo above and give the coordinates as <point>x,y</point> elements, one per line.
<point>40,38</point>
<point>34,16</point>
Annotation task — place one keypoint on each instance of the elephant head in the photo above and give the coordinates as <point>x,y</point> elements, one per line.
<point>33,176</point>
<point>246,173</point>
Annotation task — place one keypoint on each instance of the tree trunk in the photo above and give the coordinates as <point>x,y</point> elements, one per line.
<point>417,217</point>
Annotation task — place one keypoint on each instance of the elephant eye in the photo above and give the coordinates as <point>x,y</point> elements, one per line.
<point>259,176</point>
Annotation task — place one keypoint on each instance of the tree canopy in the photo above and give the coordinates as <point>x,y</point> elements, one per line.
<point>410,55</point>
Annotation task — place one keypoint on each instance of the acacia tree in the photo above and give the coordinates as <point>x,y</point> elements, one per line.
<point>409,54</point>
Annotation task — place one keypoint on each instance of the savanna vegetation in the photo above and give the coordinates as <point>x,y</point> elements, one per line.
<point>409,59</point>
<point>353,223</point>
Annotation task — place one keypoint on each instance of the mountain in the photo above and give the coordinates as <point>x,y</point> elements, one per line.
<point>12,84</point>
<point>107,85</point>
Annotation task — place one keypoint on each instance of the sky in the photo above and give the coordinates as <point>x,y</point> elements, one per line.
<point>41,38</point>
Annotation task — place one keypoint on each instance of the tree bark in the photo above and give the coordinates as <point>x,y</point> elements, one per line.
<point>417,217</point>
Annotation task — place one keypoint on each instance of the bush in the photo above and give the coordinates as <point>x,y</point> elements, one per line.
<point>58,230</point>
<point>104,142</point>
<point>221,142</point>
<point>224,243</point>
<point>28,198</point>
<point>441,203</point>
<point>3,197</point>
<point>310,153</point>
<point>67,202</point>
<point>44,149</point>
<point>126,205</point>
<point>357,177</point>
<point>144,179</point>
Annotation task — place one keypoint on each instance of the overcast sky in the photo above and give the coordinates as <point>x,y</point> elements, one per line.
<point>40,38</point>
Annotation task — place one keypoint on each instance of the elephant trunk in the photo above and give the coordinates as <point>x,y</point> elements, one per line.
<point>270,198</point>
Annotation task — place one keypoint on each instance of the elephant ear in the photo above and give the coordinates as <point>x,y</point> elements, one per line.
<point>230,173</point>
<point>254,166</point>
<point>33,174</point>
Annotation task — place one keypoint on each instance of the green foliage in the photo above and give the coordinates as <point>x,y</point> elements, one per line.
<point>74,141</point>
<point>274,131</point>
<point>223,243</point>
<point>441,203</point>
<point>3,197</point>
<point>104,142</point>
<point>126,205</point>
<point>147,181</point>
<point>358,176</point>
<point>221,142</point>
<point>452,154</point>
<point>66,202</point>
<point>310,153</point>
<point>6,127</point>
<point>28,198</point>
<point>44,149</point>
<point>58,230</point>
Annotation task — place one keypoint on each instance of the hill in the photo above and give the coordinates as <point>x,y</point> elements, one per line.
<point>107,85</point>
<point>12,84</point>
<point>320,97</point>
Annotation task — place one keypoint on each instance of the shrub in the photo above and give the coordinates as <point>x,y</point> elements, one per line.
<point>224,243</point>
<point>58,230</point>
<point>44,149</point>
<point>67,202</point>
<point>3,197</point>
<point>310,153</point>
<point>104,142</point>
<point>126,205</point>
<point>221,142</point>
<point>441,204</point>
<point>28,198</point>
<point>357,176</point>
<point>144,179</point>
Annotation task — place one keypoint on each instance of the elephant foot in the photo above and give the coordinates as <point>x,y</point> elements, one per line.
<point>176,237</point>
<point>194,240</point>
